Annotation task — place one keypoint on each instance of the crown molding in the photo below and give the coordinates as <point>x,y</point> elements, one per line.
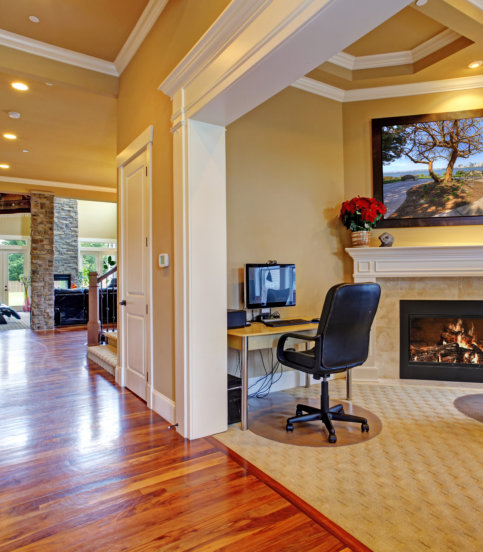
<point>477,3</point>
<point>232,21</point>
<point>143,26</point>
<point>396,91</point>
<point>145,23</point>
<point>50,184</point>
<point>396,58</point>
<point>31,46</point>
<point>319,88</point>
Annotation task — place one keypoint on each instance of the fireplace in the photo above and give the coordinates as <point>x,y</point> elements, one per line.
<point>442,340</point>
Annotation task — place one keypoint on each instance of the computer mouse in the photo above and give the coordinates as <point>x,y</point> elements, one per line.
<point>315,319</point>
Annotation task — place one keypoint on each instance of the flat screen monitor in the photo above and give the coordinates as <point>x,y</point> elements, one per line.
<point>270,286</point>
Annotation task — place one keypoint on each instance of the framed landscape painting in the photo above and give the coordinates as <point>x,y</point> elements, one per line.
<point>428,169</point>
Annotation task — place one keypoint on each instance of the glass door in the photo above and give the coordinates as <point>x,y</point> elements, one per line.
<point>14,265</point>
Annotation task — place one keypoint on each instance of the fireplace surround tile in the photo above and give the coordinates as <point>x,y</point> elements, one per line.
<point>428,288</point>
<point>387,364</point>
<point>387,339</point>
<point>470,287</point>
<point>388,305</point>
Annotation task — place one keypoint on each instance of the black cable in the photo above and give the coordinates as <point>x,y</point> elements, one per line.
<point>268,380</point>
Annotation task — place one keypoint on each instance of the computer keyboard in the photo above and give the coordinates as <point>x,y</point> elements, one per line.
<point>278,323</point>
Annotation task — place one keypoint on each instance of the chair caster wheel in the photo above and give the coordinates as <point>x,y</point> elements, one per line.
<point>332,439</point>
<point>289,428</point>
<point>365,427</point>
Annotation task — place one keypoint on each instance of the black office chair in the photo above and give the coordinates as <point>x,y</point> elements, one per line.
<point>341,343</point>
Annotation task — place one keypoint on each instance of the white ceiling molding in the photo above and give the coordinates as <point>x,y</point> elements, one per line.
<point>50,184</point>
<point>232,21</point>
<point>31,46</point>
<point>396,58</point>
<point>477,3</point>
<point>140,32</point>
<point>396,91</point>
<point>143,26</point>
<point>320,88</point>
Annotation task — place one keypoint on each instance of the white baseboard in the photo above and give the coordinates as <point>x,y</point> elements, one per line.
<point>365,373</point>
<point>118,376</point>
<point>149,396</point>
<point>163,406</point>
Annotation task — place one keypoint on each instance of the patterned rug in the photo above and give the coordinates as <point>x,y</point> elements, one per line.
<point>417,486</point>
<point>14,324</point>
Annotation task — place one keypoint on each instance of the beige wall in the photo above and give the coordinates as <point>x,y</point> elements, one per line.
<point>285,182</point>
<point>97,220</point>
<point>15,226</point>
<point>357,118</point>
<point>140,104</point>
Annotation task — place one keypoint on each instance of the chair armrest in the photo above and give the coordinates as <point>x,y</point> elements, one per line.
<point>303,337</point>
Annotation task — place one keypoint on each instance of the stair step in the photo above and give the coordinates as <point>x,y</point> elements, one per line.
<point>111,338</point>
<point>105,356</point>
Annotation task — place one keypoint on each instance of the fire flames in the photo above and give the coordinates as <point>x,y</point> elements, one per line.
<point>457,344</point>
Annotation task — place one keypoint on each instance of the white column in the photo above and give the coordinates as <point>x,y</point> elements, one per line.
<point>200,279</point>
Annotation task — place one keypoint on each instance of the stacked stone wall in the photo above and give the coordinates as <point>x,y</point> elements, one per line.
<point>66,238</point>
<point>42,261</point>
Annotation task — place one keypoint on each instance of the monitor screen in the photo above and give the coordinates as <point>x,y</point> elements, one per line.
<point>269,286</point>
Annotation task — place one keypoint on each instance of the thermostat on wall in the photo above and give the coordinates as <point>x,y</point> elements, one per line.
<point>163,260</point>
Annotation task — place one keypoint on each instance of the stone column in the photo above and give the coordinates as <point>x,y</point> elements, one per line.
<point>66,238</point>
<point>42,261</point>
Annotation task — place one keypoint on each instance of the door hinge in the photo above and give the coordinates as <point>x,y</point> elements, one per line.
<point>147,377</point>
<point>146,242</point>
<point>146,309</point>
<point>146,171</point>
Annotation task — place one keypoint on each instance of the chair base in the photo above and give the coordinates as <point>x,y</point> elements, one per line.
<point>325,414</point>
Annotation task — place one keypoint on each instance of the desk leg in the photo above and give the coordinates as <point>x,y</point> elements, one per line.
<point>244,405</point>
<point>307,376</point>
<point>348,376</point>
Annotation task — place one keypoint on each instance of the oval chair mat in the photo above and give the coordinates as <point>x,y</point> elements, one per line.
<point>268,417</point>
<point>471,406</point>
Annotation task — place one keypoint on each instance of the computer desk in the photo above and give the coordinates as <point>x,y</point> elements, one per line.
<point>258,336</point>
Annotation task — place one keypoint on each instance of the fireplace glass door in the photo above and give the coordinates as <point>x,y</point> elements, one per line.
<point>441,340</point>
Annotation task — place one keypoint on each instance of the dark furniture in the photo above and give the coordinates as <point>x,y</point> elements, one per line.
<point>71,306</point>
<point>5,310</point>
<point>341,343</point>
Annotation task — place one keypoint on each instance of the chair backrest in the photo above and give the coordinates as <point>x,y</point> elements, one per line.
<point>345,324</point>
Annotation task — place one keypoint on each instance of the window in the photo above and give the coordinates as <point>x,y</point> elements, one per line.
<point>18,243</point>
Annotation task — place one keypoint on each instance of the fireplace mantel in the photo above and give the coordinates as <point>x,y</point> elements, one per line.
<point>406,262</point>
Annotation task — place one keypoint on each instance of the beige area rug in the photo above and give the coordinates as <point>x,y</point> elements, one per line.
<point>417,486</point>
<point>14,324</point>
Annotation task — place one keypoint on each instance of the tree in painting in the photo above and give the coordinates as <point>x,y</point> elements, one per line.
<point>426,142</point>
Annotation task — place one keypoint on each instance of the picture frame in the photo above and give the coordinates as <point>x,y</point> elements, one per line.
<point>378,126</point>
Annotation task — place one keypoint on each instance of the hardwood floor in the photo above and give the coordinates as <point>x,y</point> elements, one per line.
<point>85,465</point>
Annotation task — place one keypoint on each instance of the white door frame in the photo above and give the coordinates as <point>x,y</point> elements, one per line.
<point>142,142</point>
<point>255,49</point>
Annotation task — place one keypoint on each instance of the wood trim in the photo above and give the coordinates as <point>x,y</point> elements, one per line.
<point>377,171</point>
<point>107,274</point>
<point>354,544</point>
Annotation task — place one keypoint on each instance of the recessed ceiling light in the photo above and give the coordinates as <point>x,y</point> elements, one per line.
<point>10,136</point>
<point>34,19</point>
<point>49,84</point>
<point>20,86</point>
<point>475,64</point>
<point>421,2</point>
<point>4,166</point>
<point>14,115</point>
<point>25,151</point>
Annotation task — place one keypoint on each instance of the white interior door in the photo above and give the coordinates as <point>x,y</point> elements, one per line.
<point>135,276</point>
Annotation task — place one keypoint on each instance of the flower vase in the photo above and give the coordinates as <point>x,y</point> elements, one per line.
<point>26,301</point>
<point>361,239</point>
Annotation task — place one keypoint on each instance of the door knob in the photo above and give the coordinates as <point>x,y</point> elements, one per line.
<point>122,303</point>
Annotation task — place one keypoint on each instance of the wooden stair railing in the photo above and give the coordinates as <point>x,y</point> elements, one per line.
<point>96,323</point>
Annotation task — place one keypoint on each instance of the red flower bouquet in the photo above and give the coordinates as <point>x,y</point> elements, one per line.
<point>361,213</point>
